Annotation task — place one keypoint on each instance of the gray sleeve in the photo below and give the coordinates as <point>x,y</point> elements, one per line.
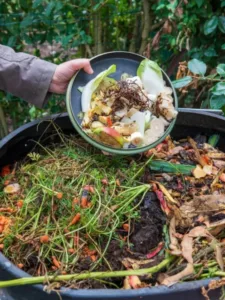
<point>25,76</point>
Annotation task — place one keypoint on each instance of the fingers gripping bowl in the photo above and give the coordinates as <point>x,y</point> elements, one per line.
<point>126,107</point>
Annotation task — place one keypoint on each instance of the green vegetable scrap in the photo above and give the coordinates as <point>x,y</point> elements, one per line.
<point>168,167</point>
<point>214,139</point>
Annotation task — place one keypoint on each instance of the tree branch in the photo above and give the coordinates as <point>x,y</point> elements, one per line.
<point>132,47</point>
<point>88,50</point>
<point>146,27</point>
<point>157,25</point>
<point>97,24</point>
<point>175,62</point>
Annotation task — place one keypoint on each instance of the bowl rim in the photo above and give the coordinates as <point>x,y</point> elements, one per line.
<point>101,146</point>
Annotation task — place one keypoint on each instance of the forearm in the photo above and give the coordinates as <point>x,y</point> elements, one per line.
<point>25,76</point>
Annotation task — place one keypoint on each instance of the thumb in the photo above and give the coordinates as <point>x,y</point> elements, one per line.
<point>83,63</point>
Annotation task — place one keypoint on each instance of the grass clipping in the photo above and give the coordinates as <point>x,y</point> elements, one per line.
<point>69,204</point>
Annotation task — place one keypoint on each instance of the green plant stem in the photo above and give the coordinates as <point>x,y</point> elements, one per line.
<point>142,168</point>
<point>208,79</point>
<point>91,275</point>
<point>219,273</point>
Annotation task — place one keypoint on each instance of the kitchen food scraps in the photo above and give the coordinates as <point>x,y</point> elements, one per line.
<point>132,112</point>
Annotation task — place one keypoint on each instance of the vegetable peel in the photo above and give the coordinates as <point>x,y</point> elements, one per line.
<point>92,85</point>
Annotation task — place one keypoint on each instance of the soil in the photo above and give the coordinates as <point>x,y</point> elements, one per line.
<point>148,231</point>
<point>146,234</point>
<point>115,255</point>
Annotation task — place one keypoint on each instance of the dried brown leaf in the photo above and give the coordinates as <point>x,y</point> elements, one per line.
<point>204,204</point>
<point>220,172</point>
<point>201,161</point>
<point>182,70</point>
<point>187,242</point>
<point>167,27</point>
<point>187,248</point>
<point>174,245</point>
<point>215,230</point>
<point>205,293</point>
<point>161,277</point>
<point>176,252</point>
<point>198,172</point>
<point>177,277</point>
<point>216,155</point>
<point>219,257</point>
<point>131,263</point>
<point>213,202</point>
<point>213,285</point>
<point>172,231</point>
<point>167,177</point>
<point>156,154</point>
<point>208,147</point>
<point>156,39</point>
<point>219,163</point>
<point>199,231</point>
<point>166,193</point>
<point>175,150</point>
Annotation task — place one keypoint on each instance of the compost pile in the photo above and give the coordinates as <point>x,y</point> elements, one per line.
<point>117,222</point>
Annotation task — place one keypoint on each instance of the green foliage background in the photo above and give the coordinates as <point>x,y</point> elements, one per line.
<point>168,31</point>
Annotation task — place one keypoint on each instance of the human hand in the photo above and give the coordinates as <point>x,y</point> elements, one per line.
<point>65,71</point>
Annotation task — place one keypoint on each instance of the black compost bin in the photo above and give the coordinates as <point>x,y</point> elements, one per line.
<point>21,141</point>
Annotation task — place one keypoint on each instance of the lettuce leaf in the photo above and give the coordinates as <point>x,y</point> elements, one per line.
<point>124,76</point>
<point>106,83</point>
<point>151,77</point>
<point>92,85</point>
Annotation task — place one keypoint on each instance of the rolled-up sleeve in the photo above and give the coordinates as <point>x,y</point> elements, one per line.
<point>25,76</point>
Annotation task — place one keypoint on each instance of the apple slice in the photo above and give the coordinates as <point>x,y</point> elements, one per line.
<point>110,136</point>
